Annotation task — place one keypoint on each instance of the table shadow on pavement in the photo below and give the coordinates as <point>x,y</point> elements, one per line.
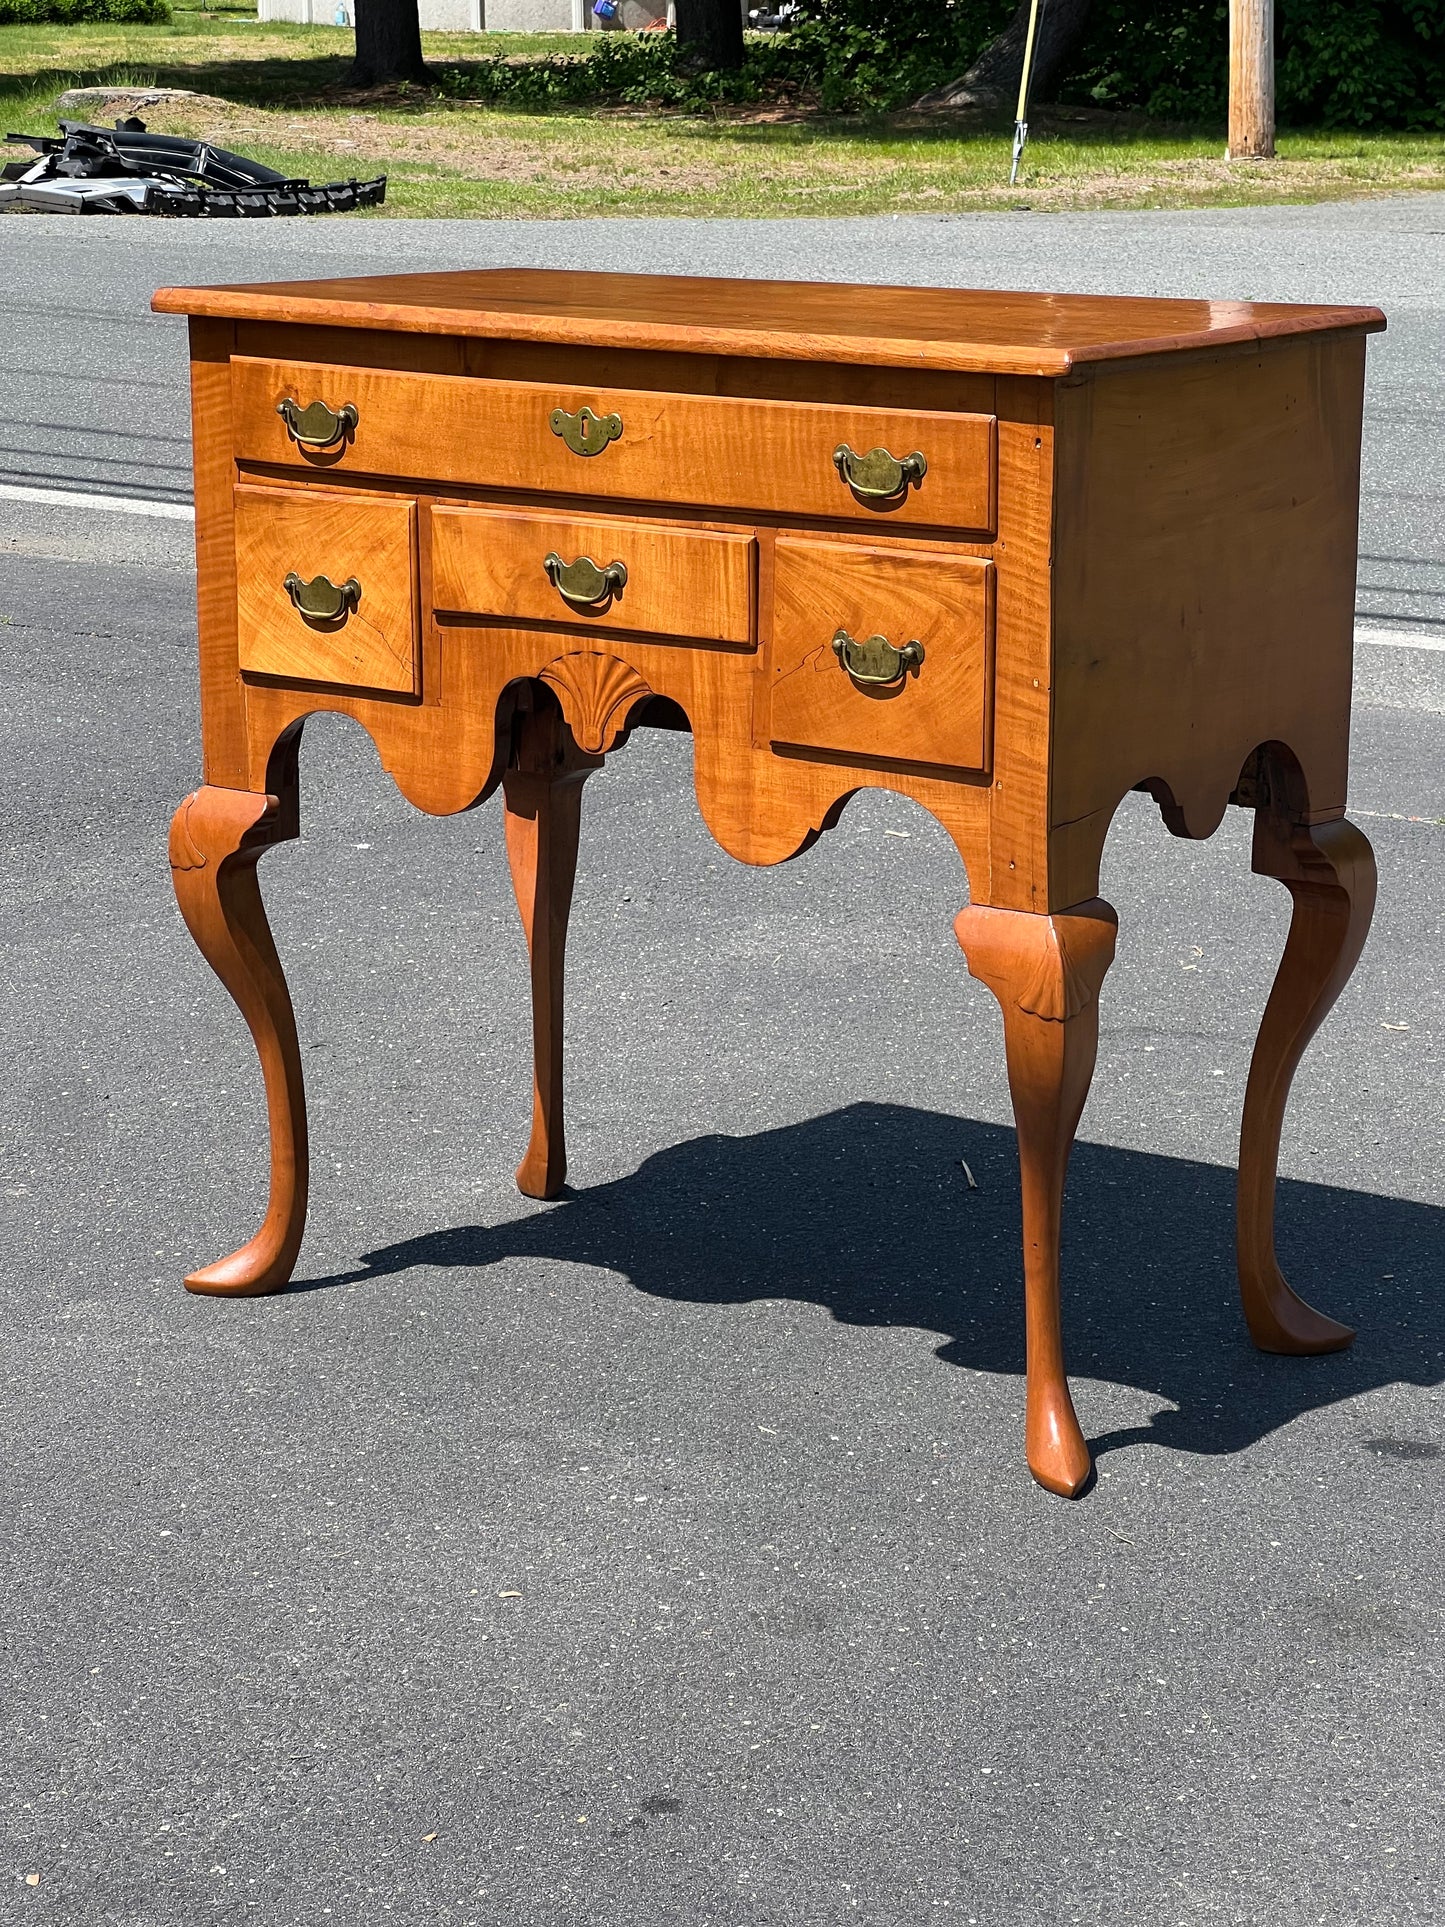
<point>868,1212</point>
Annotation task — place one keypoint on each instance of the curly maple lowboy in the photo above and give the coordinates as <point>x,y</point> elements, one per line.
<point>1011,555</point>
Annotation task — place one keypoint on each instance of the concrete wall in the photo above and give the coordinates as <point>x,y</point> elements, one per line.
<point>449,16</point>
<point>568,16</point>
<point>535,16</point>
<point>473,16</point>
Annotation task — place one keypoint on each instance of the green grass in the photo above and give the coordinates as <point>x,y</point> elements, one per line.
<point>278,92</point>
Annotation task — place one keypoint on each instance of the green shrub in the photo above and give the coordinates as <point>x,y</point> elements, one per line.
<point>859,56</point>
<point>1339,63</point>
<point>26,13</point>
<point>632,69</point>
<point>836,55</point>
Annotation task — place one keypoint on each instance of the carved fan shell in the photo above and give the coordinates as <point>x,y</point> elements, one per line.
<point>183,852</point>
<point>1056,992</point>
<point>597,693</point>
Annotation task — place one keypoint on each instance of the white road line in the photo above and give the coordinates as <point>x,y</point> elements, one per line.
<point>64,498</point>
<point>1400,639</point>
<point>183,512</point>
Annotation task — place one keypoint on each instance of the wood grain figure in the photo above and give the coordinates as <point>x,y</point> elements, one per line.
<point>692,584</point>
<point>1009,555</point>
<point>285,536</point>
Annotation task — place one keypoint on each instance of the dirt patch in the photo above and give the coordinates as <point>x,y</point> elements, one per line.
<point>102,105</point>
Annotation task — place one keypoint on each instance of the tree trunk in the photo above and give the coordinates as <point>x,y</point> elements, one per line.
<point>388,43</point>
<point>710,35</point>
<point>993,79</point>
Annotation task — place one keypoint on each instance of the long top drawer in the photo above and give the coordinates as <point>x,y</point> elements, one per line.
<point>771,456</point>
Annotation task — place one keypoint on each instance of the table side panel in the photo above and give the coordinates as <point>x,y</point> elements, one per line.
<point>1016,877</point>
<point>1207,530</point>
<point>223,713</point>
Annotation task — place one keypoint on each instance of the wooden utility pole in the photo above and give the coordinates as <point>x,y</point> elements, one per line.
<point>1251,80</point>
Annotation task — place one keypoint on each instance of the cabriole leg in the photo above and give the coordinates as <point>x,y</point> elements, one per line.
<point>218,837</point>
<point>1045,972</point>
<point>543,792</point>
<point>1329,870</point>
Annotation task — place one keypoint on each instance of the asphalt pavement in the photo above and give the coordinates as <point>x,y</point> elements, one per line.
<point>666,1555</point>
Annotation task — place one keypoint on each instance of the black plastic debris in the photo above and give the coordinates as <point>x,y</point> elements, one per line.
<point>125,170</point>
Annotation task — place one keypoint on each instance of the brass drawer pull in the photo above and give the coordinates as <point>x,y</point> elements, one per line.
<point>875,660</point>
<point>582,583</point>
<point>316,425</point>
<point>584,432</point>
<point>879,476</point>
<point>321,599</point>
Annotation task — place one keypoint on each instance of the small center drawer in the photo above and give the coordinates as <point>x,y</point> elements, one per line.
<point>326,587</point>
<point>882,653</point>
<point>782,457</point>
<point>694,583</point>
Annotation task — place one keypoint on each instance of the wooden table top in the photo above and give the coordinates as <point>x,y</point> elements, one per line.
<point>949,328</point>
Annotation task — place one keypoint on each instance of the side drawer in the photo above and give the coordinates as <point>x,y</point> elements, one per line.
<point>694,583</point>
<point>638,445</point>
<point>936,712</point>
<point>293,547</point>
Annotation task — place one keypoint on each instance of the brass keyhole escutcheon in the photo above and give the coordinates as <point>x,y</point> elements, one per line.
<point>582,583</point>
<point>317,426</point>
<point>584,432</point>
<point>321,600</point>
<point>874,661</point>
<point>878,476</point>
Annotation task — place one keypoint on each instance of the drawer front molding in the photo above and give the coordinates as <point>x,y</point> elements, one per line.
<point>696,584</point>
<point>778,457</point>
<point>883,653</point>
<point>326,588</point>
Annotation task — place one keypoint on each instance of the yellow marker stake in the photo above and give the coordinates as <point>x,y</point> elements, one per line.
<point>1021,121</point>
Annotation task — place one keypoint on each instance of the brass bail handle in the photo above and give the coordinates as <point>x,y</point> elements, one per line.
<point>316,425</point>
<point>582,583</point>
<point>879,476</point>
<point>585,433</point>
<point>321,599</point>
<point>875,660</point>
